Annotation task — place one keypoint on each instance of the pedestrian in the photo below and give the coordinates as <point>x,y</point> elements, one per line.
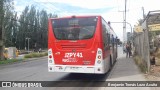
<point>39,50</point>
<point>128,50</point>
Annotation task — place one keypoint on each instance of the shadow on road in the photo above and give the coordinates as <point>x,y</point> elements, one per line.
<point>81,80</point>
<point>85,77</point>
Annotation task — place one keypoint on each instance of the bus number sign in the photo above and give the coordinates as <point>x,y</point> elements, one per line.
<point>69,55</point>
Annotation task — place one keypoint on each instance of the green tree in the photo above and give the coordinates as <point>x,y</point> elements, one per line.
<point>23,28</point>
<point>43,31</point>
<point>1,28</point>
<point>10,24</point>
<point>33,24</point>
<point>6,9</point>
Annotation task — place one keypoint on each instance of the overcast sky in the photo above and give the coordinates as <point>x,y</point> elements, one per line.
<point>110,10</point>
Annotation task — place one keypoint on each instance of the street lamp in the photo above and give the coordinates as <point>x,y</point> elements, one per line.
<point>25,44</point>
<point>28,43</point>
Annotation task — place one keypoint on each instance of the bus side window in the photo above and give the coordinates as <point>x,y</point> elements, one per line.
<point>117,40</point>
<point>104,36</point>
<point>108,38</point>
<point>111,39</point>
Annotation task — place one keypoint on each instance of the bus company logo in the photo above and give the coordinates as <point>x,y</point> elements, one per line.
<point>57,53</point>
<point>74,50</point>
<point>69,60</point>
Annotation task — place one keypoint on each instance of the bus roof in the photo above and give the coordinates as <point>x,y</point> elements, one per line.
<point>77,16</point>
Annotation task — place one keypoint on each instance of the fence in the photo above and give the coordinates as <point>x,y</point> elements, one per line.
<point>144,41</point>
<point>141,46</point>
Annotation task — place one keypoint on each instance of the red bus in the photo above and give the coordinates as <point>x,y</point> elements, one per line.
<point>81,44</point>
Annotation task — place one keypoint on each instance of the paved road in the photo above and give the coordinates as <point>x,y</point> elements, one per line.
<point>36,70</point>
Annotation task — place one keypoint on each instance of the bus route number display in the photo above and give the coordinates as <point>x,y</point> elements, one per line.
<point>73,22</point>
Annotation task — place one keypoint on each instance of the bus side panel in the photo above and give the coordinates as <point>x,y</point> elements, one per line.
<point>50,34</point>
<point>106,44</point>
<point>105,50</point>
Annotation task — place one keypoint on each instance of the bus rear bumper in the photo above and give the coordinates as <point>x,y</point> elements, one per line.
<point>76,69</point>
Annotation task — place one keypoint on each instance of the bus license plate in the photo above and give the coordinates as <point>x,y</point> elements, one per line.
<point>74,68</point>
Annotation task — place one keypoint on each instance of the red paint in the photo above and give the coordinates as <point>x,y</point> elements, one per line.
<point>75,52</point>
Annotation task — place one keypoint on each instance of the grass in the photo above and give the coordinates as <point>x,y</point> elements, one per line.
<point>33,55</point>
<point>9,61</point>
<point>141,64</point>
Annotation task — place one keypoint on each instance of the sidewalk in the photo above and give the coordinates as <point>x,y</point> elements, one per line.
<point>125,69</point>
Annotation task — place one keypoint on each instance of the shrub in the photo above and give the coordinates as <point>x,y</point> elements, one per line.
<point>8,61</point>
<point>46,53</point>
<point>32,55</point>
<point>27,56</point>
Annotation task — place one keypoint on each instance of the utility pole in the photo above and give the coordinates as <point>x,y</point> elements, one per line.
<point>28,43</point>
<point>130,27</point>
<point>143,12</point>
<point>124,24</point>
<point>1,29</point>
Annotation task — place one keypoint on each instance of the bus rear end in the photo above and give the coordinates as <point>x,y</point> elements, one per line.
<point>74,45</point>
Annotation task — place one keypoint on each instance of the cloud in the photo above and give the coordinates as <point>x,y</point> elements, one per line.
<point>75,9</point>
<point>88,4</point>
<point>109,9</point>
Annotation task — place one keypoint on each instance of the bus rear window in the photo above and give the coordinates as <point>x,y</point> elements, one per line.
<point>74,28</point>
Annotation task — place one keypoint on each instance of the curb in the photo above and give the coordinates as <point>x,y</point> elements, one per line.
<point>31,59</point>
<point>25,60</point>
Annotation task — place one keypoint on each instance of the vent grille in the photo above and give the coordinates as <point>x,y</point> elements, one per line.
<point>74,46</point>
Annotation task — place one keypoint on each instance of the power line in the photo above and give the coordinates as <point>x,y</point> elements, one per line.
<point>51,8</point>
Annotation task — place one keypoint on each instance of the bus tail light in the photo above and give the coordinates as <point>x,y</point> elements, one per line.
<point>99,62</point>
<point>99,56</point>
<point>99,59</point>
<point>50,57</point>
<point>50,61</point>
